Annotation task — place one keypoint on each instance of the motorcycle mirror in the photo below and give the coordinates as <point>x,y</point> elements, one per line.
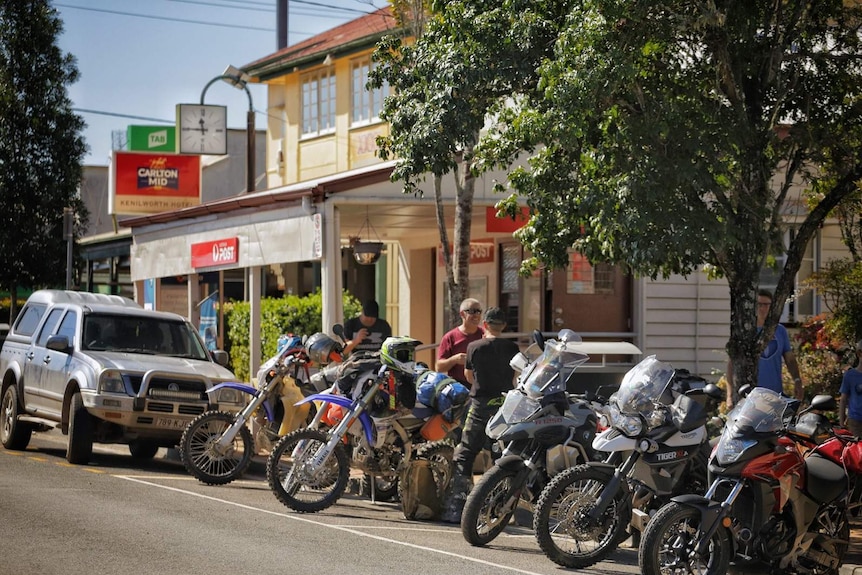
<point>539,339</point>
<point>567,335</point>
<point>745,390</point>
<point>338,330</point>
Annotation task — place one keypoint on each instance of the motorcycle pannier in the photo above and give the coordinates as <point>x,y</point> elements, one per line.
<point>420,498</point>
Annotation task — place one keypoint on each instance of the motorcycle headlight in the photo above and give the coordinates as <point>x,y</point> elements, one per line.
<point>656,419</point>
<point>228,396</point>
<point>111,381</point>
<point>729,451</point>
<point>630,425</point>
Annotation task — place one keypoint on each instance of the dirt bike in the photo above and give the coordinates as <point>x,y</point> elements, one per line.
<point>544,430</point>
<point>217,446</point>
<point>368,428</point>
<point>779,498</point>
<point>657,446</point>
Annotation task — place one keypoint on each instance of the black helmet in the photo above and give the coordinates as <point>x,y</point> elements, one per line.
<point>322,349</point>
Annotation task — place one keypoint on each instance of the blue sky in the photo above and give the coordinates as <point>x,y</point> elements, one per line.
<point>138,59</point>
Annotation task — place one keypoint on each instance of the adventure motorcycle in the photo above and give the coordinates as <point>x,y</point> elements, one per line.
<point>778,498</point>
<point>544,430</point>
<point>658,448</point>
<point>217,446</point>
<point>370,428</point>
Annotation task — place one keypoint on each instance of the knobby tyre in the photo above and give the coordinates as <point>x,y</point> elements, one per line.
<point>490,506</point>
<point>565,531</point>
<point>385,489</point>
<point>295,483</point>
<point>668,543</point>
<point>204,459</point>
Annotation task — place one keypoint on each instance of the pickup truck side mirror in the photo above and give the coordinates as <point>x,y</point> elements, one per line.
<point>59,343</point>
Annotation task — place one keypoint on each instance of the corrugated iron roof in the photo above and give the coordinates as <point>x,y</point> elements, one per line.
<point>363,31</point>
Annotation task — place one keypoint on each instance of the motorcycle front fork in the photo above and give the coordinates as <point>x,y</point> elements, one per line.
<point>243,417</point>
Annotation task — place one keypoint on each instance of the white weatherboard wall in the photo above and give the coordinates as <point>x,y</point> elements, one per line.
<point>686,322</point>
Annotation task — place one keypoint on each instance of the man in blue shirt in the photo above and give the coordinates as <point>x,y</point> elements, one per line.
<point>778,349</point>
<point>850,409</point>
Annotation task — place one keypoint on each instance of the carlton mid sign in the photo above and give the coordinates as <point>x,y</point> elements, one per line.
<point>215,253</point>
<point>144,183</point>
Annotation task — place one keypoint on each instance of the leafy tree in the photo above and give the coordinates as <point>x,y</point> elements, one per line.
<point>668,135</point>
<point>446,83</point>
<point>41,147</point>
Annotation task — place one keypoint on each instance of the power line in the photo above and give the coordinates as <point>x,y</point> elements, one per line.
<point>185,21</point>
<point>129,116</point>
<point>200,3</point>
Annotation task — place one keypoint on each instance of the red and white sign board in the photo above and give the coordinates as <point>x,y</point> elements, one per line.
<point>215,253</point>
<point>481,252</point>
<point>145,183</point>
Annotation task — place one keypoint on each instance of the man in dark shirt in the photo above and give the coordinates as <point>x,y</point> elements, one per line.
<point>490,375</point>
<point>367,331</point>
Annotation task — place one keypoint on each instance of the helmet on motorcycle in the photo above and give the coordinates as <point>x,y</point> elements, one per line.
<point>322,349</point>
<point>399,353</point>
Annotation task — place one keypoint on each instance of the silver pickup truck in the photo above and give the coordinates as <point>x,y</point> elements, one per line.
<point>105,370</point>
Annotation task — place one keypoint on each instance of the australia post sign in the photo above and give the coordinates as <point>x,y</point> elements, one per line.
<point>147,183</point>
<point>215,253</point>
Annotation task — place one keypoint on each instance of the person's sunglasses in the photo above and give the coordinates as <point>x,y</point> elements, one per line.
<point>473,311</point>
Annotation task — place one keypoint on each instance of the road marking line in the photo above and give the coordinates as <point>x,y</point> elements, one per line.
<point>93,470</point>
<point>335,527</point>
<point>16,454</point>
<point>36,458</point>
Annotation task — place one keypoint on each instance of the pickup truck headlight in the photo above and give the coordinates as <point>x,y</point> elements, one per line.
<point>111,381</point>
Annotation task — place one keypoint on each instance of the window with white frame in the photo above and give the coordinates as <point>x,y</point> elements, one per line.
<point>801,305</point>
<point>318,103</point>
<point>366,104</point>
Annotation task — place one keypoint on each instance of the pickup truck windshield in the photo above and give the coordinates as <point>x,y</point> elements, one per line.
<point>131,334</point>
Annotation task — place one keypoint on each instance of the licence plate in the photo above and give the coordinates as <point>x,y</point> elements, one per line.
<point>171,422</point>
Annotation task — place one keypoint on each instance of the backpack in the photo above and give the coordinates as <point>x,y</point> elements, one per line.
<point>420,498</point>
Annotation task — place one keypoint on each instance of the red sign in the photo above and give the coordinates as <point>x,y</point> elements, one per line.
<point>150,183</point>
<point>493,224</point>
<point>481,252</point>
<point>215,253</point>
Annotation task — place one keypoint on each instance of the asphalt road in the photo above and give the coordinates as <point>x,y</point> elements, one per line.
<point>117,515</point>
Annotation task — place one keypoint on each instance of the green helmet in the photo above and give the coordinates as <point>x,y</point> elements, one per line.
<point>399,353</point>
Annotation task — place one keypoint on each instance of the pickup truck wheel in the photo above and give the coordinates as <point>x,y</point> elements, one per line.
<point>80,432</point>
<point>143,449</point>
<point>14,434</point>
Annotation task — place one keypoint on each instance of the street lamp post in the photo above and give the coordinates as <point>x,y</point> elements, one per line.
<point>238,79</point>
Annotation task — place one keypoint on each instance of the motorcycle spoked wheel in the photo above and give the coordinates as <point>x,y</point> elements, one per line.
<point>667,544</point>
<point>201,456</point>
<point>563,528</point>
<point>490,506</point>
<point>292,482</point>
<point>385,489</point>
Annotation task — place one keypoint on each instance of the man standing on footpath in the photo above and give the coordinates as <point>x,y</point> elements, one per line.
<point>490,375</point>
<point>367,331</point>
<point>452,353</point>
<point>777,350</point>
<point>850,409</point>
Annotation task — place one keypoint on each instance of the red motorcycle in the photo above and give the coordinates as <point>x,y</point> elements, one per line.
<point>781,485</point>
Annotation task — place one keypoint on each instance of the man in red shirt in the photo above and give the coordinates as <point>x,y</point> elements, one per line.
<point>452,353</point>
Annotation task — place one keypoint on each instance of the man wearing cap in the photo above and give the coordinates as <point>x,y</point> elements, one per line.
<point>366,332</point>
<point>488,371</point>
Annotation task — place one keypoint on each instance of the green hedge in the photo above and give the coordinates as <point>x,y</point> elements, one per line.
<point>289,314</point>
